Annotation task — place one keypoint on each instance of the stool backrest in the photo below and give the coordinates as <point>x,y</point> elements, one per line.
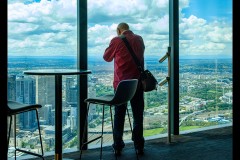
<point>125,91</point>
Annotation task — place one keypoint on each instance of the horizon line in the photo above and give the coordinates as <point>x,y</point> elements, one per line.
<point>68,56</point>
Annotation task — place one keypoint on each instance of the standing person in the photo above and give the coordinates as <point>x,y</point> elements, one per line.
<point>125,68</point>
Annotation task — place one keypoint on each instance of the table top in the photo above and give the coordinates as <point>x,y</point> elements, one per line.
<point>57,72</point>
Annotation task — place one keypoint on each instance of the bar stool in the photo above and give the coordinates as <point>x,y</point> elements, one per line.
<point>15,108</point>
<point>124,93</point>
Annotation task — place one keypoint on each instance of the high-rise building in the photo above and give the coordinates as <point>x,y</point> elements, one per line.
<point>47,115</point>
<point>71,90</point>
<point>25,90</point>
<point>25,93</point>
<point>29,91</point>
<point>65,115</point>
<point>12,87</point>
<point>72,94</point>
<point>93,108</point>
<point>19,88</point>
<point>72,118</point>
<point>45,95</point>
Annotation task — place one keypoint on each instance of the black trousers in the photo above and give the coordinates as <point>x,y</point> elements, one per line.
<point>137,105</point>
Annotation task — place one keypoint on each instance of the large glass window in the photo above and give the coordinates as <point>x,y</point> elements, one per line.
<point>205,65</point>
<point>42,34</point>
<point>148,19</point>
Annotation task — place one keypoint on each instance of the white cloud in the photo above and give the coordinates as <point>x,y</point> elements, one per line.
<point>50,27</point>
<point>62,27</point>
<point>114,8</point>
<point>219,35</point>
<point>43,28</point>
<point>197,37</point>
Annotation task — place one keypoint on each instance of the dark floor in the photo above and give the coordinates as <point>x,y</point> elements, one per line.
<point>212,144</point>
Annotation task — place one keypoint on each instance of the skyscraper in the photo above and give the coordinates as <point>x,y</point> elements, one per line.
<point>12,87</point>
<point>71,90</point>
<point>25,93</point>
<point>45,95</point>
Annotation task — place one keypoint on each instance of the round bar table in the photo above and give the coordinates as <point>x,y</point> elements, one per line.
<point>58,73</point>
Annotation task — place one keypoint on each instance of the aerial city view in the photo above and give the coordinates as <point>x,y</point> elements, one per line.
<point>205,98</point>
<point>46,33</point>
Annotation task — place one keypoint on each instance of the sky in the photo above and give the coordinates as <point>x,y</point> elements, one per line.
<point>49,27</point>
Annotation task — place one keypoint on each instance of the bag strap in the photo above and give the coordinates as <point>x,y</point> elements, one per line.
<point>139,66</point>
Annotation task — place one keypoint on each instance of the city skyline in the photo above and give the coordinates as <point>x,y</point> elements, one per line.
<point>196,76</point>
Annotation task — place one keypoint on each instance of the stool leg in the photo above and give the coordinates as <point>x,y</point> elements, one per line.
<point>15,137</point>
<point>39,133</point>
<point>112,129</point>
<point>84,130</point>
<point>9,130</point>
<point>25,151</point>
<point>131,130</point>
<point>111,120</point>
<point>102,132</point>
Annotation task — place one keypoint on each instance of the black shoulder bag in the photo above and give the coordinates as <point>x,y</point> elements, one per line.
<point>149,82</point>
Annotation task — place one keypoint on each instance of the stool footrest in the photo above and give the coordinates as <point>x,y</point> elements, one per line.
<point>24,151</point>
<point>92,140</point>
